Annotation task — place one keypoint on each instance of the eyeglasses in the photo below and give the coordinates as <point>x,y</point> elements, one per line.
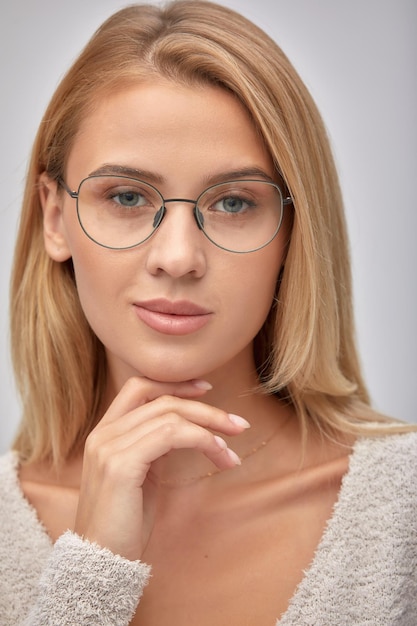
<point>119,212</point>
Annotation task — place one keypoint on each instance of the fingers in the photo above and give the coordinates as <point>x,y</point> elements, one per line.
<point>138,391</point>
<point>139,447</point>
<point>173,410</point>
<point>142,400</point>
<point>123,455</point>
<point>151,425</point>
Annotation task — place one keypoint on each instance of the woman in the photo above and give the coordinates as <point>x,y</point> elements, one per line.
<point>196,432</point>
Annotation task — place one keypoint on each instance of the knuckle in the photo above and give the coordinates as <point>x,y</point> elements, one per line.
<point>97,450</point>
<point>91,442</point>
<point>133,385</point>
<point>169,429</point>
<point>174,419</point>
<point>165,401</point>
<point>109,463</point>
<point>102,456</point>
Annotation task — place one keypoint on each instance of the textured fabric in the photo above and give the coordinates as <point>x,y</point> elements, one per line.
<point>364,572</point>
<point>93,586</point>
<point>365,569</point>
<point>70,583</point>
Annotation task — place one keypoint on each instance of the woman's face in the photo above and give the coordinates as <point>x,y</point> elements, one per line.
<point>175,307</point>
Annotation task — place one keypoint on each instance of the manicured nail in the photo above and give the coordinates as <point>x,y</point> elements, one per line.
<point>202,384</point>
<point>239,421</point>
<point>220,442</point>
<point>233,456</point>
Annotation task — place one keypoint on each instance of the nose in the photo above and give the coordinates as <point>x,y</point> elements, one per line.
<point>178,246</point>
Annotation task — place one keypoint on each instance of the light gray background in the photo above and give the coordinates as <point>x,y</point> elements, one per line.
<point>358,58</point>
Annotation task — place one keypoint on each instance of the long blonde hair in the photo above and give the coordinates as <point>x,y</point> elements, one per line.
<point>306,349</point>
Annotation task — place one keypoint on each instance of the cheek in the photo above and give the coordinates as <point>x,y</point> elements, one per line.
<point>97,278</point>
<point>96,269</point>
<point>253,287</point>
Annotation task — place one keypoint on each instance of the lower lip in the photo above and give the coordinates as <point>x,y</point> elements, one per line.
<point>172,324</point>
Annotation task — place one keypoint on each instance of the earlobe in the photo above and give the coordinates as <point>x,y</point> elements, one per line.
<point>53,225</point>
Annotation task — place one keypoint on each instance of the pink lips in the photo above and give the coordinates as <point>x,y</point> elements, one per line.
<point>172,318</point>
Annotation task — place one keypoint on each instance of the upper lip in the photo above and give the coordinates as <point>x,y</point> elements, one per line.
<point>178,307</point>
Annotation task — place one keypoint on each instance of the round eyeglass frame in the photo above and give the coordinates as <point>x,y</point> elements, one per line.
<point>159,216</point>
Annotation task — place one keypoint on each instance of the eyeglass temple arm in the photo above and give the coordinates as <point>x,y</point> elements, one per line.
<point>73,194</point>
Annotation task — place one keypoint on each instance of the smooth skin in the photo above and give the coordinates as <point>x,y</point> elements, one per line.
<point>226,549</point>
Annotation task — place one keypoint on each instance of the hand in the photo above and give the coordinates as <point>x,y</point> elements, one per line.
<point>146,420</point>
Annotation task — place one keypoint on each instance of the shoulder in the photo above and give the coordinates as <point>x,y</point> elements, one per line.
<point>24,545</point>
<point>8,462</point>
<point>18,520</point>
<point>365,569</point>
<point>20,527</point>
<point>399,445</point>
<point>8,477</point>
<point>378,500</point>
<point>11,496</point>
<point>389,462</point>
<point>382,480</point>
<point>375,523</point>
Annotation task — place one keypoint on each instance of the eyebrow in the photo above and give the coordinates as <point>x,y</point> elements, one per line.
<point>244,172</point>
<point>133,172</point>
<point>109,169</point>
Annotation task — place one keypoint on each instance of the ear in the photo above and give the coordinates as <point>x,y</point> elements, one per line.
<point>53,223</point>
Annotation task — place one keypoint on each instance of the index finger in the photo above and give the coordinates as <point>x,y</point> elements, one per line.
<point>140,390</point>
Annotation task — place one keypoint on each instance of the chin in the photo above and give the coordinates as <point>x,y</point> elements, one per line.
<point>172,374</point>
<point>161,372</point>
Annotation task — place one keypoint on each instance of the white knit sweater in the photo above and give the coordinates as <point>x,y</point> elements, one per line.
<point>364,572</point>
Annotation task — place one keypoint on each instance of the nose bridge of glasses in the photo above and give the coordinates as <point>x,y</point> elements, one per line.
<point>186,200</point>
<point>197,215</point>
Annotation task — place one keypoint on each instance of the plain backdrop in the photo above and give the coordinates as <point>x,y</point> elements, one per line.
<point>358,58</point>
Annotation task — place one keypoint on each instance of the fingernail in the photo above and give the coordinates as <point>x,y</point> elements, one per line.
<point>220,442</point>
<point>233,456</point>
<point>239,421</point>
<point>202,384</point>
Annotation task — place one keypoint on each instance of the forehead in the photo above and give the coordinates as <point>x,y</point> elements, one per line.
<point>169,128</point>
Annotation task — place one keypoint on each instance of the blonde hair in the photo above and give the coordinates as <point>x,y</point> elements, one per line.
<point>306,350</point>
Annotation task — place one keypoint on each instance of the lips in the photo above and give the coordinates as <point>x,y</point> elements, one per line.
<point>181,307</point>
<point>172,318</point>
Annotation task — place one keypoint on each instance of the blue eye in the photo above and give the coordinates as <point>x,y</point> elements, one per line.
<point>231,204</point>
<point>129,199</point>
